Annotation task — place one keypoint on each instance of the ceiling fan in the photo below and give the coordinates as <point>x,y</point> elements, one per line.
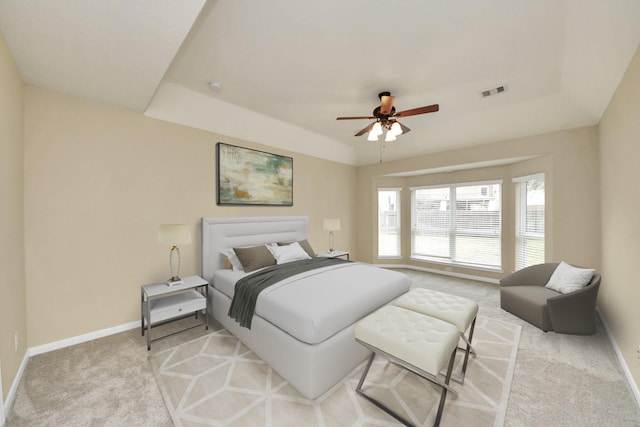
<point>385,116</point>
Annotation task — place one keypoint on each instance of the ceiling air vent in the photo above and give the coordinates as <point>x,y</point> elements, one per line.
<point>493,91</point>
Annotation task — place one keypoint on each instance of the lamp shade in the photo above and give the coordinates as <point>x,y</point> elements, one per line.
<point>174,234</point>
<point>331,224</point>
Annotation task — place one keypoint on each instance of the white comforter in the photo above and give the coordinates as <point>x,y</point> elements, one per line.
<point>317,304</point>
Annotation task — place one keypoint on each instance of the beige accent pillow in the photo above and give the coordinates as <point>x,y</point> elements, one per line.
<point>227,264</point>
<point>254,258</point>
<point>230,258</point>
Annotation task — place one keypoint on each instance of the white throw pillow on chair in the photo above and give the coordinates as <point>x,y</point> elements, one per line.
<point>566,278</point>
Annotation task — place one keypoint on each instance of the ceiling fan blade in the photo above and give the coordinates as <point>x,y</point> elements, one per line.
<point>420,110</point>
<point>386,103</point>
<point>365,130</point>
<point>404,128</point>
<point>355,118</point>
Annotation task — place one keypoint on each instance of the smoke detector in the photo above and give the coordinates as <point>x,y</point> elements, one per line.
<point>215,86</point>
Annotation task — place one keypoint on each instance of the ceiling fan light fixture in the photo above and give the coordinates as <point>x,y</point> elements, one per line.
<point>390,136</point>
<point>375,132</point>
<point>372,136</point>
<point>395,129</point>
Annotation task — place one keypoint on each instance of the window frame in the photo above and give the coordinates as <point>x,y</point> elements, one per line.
<point>398,191</point>
<point>453,231</point>
<point>521,219</point>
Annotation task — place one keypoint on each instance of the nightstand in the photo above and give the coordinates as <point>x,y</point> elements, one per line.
<point>161,304</point>
<point>334,254</point>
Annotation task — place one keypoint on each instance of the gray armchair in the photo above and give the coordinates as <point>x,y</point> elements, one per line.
<point>523,294</point>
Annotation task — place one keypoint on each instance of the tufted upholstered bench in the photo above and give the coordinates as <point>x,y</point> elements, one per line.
<point>419,343</point>
<point>460,312</point>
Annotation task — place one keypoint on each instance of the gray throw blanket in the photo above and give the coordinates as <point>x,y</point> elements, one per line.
<point>248,288</point>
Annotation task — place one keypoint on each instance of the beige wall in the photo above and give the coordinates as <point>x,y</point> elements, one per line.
<point>619,154</point>
<point>13,307</point>
<point>568,158</point>
<point>99,181</point>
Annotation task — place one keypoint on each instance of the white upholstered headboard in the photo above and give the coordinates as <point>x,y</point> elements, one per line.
<point>221,233</point>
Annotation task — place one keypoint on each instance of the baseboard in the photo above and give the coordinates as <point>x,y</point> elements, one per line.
<point>1,398</point>
<point>623,363</point>
<point>45,348</point>
<point>442,272</point>
<point>14,386</point>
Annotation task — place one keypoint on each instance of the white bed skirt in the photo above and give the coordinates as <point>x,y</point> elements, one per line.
<point>311,369</point>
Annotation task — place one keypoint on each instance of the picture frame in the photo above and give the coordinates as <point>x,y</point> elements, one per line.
<point>252,177</point>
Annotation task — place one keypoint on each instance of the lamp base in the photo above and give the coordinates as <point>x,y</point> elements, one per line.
<point>332,239</point>
<point>174,264</point>
<point>175,281</point>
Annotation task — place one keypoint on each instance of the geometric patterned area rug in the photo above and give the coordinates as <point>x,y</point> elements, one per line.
<point>217,381</point>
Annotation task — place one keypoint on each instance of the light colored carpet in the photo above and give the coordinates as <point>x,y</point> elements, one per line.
<point>216,380</point>
<point>559,380</point>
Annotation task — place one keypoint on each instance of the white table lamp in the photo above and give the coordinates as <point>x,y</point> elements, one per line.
<point>174,235</point>
<point>331,225</point>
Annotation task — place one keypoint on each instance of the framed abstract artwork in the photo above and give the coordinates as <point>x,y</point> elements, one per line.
<point>252,177</point>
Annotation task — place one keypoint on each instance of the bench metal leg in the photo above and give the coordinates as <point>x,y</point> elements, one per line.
<point>374,401</point>
<point>443,395</point>
<point>467,351</point>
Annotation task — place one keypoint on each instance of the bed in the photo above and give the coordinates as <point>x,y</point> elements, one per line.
<point>304,328</point>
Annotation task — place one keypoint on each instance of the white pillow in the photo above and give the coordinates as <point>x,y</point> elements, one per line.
<point>566,278</point>
<point>236,265</point>
<point>288,253</point>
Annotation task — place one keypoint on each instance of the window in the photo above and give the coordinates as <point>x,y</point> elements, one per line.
<point>529,220</point>
<point>459,224</point>
<point>388,222</point>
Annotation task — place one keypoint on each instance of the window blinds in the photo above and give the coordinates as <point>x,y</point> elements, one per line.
<point>458,223</point>
<point>389,222</point>
<point>530,212</point>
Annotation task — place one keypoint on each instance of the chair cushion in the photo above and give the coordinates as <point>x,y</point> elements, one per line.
<point>535,294</point>
<point>529,303</point>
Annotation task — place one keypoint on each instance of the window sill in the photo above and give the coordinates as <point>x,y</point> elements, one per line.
<point>457,264</point>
